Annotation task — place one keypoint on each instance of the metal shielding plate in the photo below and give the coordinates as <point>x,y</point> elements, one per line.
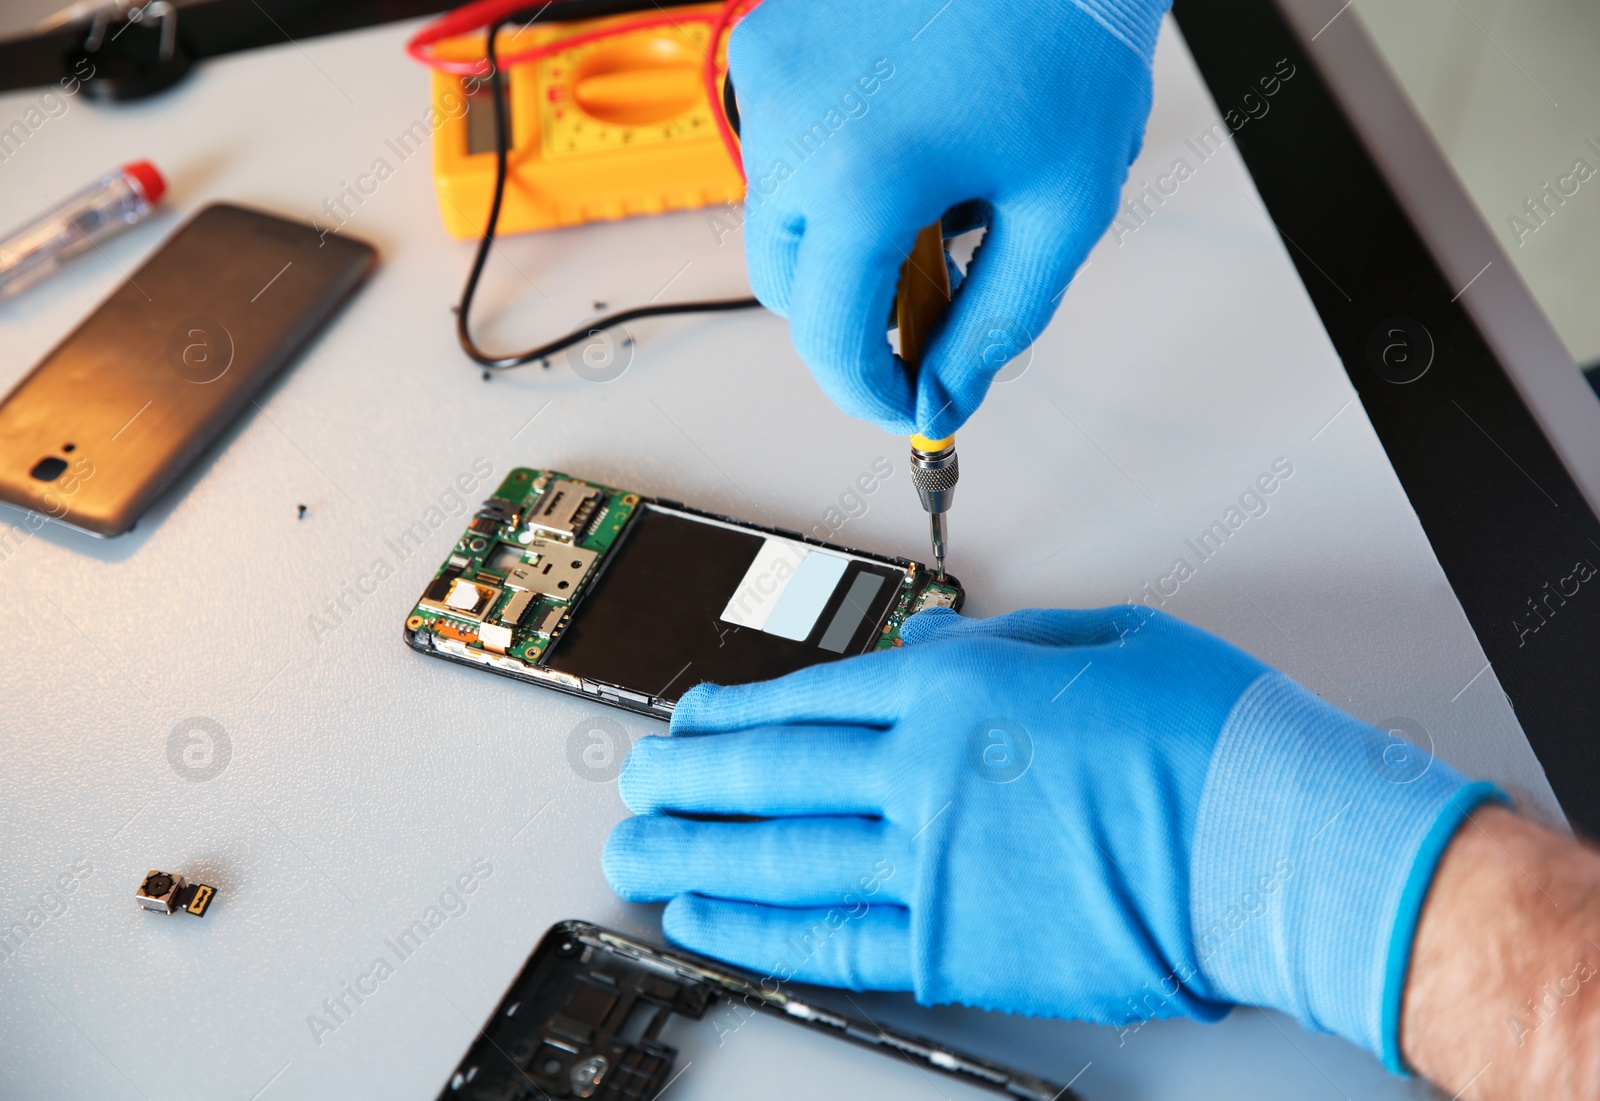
<point>559,571</point>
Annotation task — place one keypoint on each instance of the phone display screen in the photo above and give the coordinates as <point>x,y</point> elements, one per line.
<point>685,598</point>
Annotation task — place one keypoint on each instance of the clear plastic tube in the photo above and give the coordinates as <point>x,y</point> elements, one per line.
<point>122,197</point>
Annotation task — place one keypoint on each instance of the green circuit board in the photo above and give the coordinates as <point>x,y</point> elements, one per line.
<point>532,550</point>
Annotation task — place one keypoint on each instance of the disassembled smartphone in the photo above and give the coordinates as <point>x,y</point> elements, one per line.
<point>611,595</point>
<point>596,1014</point>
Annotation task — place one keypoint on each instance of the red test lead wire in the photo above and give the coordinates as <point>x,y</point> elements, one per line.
<point>483,13</point>
<point>731,11</point>
<point>476,16</point>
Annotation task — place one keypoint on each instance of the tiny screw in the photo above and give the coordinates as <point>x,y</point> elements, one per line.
<point>300,512</point>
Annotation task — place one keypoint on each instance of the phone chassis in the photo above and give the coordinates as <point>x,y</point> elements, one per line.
<point>563,1028</point>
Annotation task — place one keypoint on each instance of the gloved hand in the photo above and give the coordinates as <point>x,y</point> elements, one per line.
<point>1107,815</point>
<point>859,129</point>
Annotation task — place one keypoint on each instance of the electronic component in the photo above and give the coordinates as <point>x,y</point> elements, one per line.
<point>552,619</point>
<point>511,615</point>
<point>599,1014</point>
<point>557,572</point>
<point>607,128</point>
<point>504,558</point>
<point>565,509</point>
<point>601,592</point>
<point>457,596</point>
<point>495,637</point>
<point>446,629</point>
<point>439,587</point>
<point>607,75</point>
<point>166,893</point>
<point>492,514</point>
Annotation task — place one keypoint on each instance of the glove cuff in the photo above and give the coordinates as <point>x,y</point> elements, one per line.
<point>1134,23</point>
<point>1315,839</point>
<point>1440,834</point>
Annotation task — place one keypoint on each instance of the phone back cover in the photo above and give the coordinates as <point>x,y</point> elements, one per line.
<point>154,375</point>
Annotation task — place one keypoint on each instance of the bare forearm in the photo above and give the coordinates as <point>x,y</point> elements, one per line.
<point>1503,995</point>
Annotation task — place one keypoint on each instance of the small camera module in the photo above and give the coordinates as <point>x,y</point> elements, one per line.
<point>166,893</point>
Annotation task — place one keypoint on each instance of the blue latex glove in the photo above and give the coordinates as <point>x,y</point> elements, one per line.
<point>860,128</point>
<point>1107,815</point>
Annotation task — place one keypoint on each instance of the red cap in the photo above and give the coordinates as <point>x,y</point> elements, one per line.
<point>149,180</point>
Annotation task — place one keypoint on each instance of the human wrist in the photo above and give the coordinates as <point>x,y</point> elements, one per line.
<point>1501,988</point>
<point>1304,793</point>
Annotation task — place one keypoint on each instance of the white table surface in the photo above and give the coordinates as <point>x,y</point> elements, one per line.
<point>364,778</point>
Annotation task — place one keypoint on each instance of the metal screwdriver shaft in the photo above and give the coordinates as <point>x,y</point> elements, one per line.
<point>934,471</point>
<point>923,294</point>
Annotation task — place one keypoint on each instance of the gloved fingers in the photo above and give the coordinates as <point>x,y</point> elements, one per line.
<point>1013,286</point>
<point>772,238</point>
<point>864,946</point>
<point>843,284</point>
<point>781,861</point>
<point>965,217</point>
<point>863,691</point>
<point>772,772</point>
<point>760,60</point>
<point>1040,626</point>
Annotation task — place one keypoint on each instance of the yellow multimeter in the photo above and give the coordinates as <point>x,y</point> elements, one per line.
<point>611,128</point>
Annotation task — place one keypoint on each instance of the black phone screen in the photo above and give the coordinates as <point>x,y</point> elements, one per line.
<point>686,599</point>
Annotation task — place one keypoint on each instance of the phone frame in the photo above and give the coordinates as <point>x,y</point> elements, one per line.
<point>565,940</point>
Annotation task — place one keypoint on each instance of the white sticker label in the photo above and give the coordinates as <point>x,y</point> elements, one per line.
<point>806,595</point>
<point>764,581</point>
<point>785,589</point>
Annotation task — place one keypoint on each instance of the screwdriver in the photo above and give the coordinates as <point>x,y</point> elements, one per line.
<point>922,295</point>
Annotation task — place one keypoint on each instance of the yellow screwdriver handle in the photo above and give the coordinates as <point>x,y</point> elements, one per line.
<point>923,293</point>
